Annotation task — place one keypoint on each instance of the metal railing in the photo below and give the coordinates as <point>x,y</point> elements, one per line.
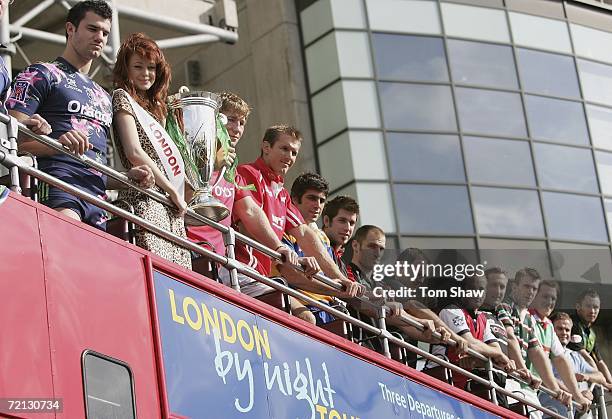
<point>10,159</point>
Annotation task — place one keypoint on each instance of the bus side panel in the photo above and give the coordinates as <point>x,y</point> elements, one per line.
<point>97,297</point>
<point>25,367</point>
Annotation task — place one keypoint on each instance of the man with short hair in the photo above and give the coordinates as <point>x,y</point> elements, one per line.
<point>464,318</point>
<point>339,220</point>
<point>580,368</point>
<point>279,150</point>
<point>78,110</point>
<point>368,246</point>
<point>584,372</point>
<point>522,325</point>
<point>233,195</point>
<point>308,194</point>
<point>542,306</point>
<point>584,339</point>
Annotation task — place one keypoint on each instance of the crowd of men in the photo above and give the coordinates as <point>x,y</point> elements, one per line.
<point>518,329</point>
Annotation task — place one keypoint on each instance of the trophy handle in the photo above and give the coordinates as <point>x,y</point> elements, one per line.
<point>221,174</point>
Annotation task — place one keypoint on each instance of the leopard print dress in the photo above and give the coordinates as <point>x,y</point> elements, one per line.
<point>145,207</point>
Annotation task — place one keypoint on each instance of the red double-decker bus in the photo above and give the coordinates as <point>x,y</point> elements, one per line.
<point>95,327</point>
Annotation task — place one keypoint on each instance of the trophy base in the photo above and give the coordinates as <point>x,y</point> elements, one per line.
<point>207,206</point>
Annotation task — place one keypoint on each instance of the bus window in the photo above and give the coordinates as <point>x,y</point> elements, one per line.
<point>109,387</point>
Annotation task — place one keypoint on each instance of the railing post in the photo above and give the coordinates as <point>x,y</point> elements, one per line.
<point>600,396</point>
<point>13,132</point>
<point>382,324</point>
<point>489,368</point>
<point>229,238</point>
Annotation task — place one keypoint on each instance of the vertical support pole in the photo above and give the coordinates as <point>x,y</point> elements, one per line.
<point>489,367</point>
<point>115,36</point>
<point>230,251</point>
<point>5,39</point>
<point>382,324</point>
<point>601,401</point>
<point>13,131</point>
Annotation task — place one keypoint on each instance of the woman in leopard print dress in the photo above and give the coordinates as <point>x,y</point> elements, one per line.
<point>142,76</point>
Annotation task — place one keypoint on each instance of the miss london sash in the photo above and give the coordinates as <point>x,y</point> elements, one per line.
<point>165,148</point>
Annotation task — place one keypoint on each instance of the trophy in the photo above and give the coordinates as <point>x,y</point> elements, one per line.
<point>199,128</point>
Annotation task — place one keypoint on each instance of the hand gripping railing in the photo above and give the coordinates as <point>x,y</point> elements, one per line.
<point>9,159</point>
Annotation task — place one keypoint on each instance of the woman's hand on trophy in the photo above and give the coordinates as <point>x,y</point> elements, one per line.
<point>179,202</point>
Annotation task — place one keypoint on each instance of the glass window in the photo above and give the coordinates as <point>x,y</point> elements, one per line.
<point>425,157</point>
<point>437,243</point>
<point>540,32</point>
<point>609,215</point>
<point>336,174</point>
<point>488,112</point>
<point>548,74</point>
<point>574,217</point>
<point>368,155</point>
<point>316,20</point>
<point>403,16</point>
<point>410,58</point>
<point>482,64</point>
<point>415,106</point>
<point>322,51</point>
<point>503,162</point>
<point>475,22</point>
<point>582,263</point>
<point>433,209</point>
<point>596,81</point>
<point>361,104</point>
<point>507,212</point>
<point>600,122</point>
<point>363,156</point>
<point>353,54</point>
<point>561,167</point>
<point>108,387</point>
<point>328,112</point>
<point>556,120</point>
<point>513,254</point>
<point>604,167</point>
<point>375,205</point>
<point>322,16</point>
<point>592,43</point>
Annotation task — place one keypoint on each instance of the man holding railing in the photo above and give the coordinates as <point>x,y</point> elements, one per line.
<point>78,111</point>
<point>463,317</point>
<point>542,306</point>
<point>368,246</point>
<point>584,339</point>
<point>280,147</point>
<point>520,324</point>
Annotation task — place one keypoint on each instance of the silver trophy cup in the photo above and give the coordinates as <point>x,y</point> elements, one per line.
<point>200,111</point>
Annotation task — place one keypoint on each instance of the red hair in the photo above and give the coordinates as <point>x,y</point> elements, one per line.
<point>141,44</point>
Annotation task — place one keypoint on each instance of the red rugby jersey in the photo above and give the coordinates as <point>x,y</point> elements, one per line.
<point>227,194</point>
<point>275,201</point>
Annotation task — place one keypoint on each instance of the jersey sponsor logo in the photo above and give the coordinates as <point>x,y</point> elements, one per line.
<point>74,106</point>
<point>458,320</point>
<point>72,85</point>
<point>278,222</point>
<point>223,191</point>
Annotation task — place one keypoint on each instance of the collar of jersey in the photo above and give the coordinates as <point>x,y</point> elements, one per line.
<point>267,172</point>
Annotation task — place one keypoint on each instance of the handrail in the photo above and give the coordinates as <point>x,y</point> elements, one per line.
<point>120,177</point>
<point>11,161</point>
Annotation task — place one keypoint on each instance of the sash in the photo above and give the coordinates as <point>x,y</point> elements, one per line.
<point>164,146</point>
